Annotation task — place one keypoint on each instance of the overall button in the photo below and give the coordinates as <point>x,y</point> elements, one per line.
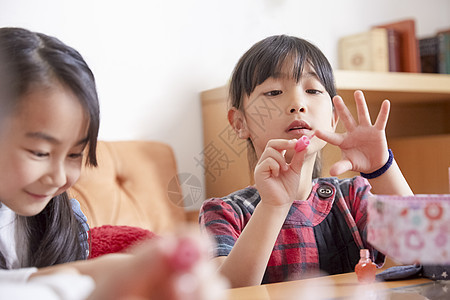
<point>324,191</point>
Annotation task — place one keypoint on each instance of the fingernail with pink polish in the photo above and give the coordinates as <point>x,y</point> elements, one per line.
<point>302,143</point>
<point>185,255</point>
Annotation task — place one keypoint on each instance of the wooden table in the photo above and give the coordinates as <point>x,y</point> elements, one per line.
<point>342,286</point>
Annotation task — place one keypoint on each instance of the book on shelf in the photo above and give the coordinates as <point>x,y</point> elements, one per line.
<point>365,51</point>
<point>429,54</point>
<point>435,53</point>
<point>394,51</point>
<point>408,44</point>
<point>444,52</point>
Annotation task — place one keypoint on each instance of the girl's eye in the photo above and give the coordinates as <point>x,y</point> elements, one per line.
<point>273,93</point>
<point>39,154</point>
<point>313,91</point>
<point>76,155</point>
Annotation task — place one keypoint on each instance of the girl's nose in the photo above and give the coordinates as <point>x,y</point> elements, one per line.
<point>294,110</point>
<point>56,176</point>
<point>297,102</point>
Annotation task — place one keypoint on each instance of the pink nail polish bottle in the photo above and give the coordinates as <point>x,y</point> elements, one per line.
<point>365,269</point>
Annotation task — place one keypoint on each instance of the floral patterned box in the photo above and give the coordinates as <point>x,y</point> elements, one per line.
<point>411,229</point>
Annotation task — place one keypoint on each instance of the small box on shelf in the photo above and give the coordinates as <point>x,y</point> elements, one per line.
<point>365,51</point>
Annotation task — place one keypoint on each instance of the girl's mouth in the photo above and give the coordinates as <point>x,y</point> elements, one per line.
<point>38,196</point>
<point>298,126</point>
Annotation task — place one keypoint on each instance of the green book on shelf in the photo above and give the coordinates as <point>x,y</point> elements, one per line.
<point>444,52</point>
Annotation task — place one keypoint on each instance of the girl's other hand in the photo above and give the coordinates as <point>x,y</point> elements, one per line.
<point>276,180</point>
<point>363,145</point>
<point>173,268</point>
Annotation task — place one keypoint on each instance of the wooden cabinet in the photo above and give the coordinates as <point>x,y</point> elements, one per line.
<point>418,130</point>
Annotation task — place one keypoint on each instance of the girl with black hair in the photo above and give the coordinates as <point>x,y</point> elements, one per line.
<point>49,118</point>
<point>292,224</point>
<point>49,115</point>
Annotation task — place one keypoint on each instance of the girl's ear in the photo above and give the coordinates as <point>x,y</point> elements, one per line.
<point>237,120</point>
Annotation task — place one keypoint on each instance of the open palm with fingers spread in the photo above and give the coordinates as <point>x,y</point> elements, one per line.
<point>363,145</point>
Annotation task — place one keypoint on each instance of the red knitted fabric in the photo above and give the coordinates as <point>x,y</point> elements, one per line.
<point>111,239</point>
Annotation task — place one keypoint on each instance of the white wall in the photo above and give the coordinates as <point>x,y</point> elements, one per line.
<point>153,58</point>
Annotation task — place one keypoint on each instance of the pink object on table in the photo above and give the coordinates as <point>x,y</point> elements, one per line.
<point>410,229</point>
<point>365,269</point>
<point>302,143</point>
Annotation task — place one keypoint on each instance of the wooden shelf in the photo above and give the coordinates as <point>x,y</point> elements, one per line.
<point>420,103</point>
<point>425,162</point>
<point>398,87</point>
<point>419,120</point>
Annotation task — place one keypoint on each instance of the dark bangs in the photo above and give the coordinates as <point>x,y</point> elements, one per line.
<point>266,59</point>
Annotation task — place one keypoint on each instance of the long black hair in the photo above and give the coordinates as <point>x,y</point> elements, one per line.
<point>30,60</point>
<point>265,59</point>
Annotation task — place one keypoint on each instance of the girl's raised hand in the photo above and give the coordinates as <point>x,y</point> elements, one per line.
<point>363,145</point>
<point>276,180</point>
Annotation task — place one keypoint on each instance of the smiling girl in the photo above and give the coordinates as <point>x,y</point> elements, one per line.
<point>49,121</point>
<point>49,115</point>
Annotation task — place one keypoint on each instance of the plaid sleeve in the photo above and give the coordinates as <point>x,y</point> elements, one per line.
<point>222,220</point>
<point>357,199</point>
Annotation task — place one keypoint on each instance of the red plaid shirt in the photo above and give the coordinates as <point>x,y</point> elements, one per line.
<point>322,234</point>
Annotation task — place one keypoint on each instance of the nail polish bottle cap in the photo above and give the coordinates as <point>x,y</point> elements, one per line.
<point>364,253</point>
